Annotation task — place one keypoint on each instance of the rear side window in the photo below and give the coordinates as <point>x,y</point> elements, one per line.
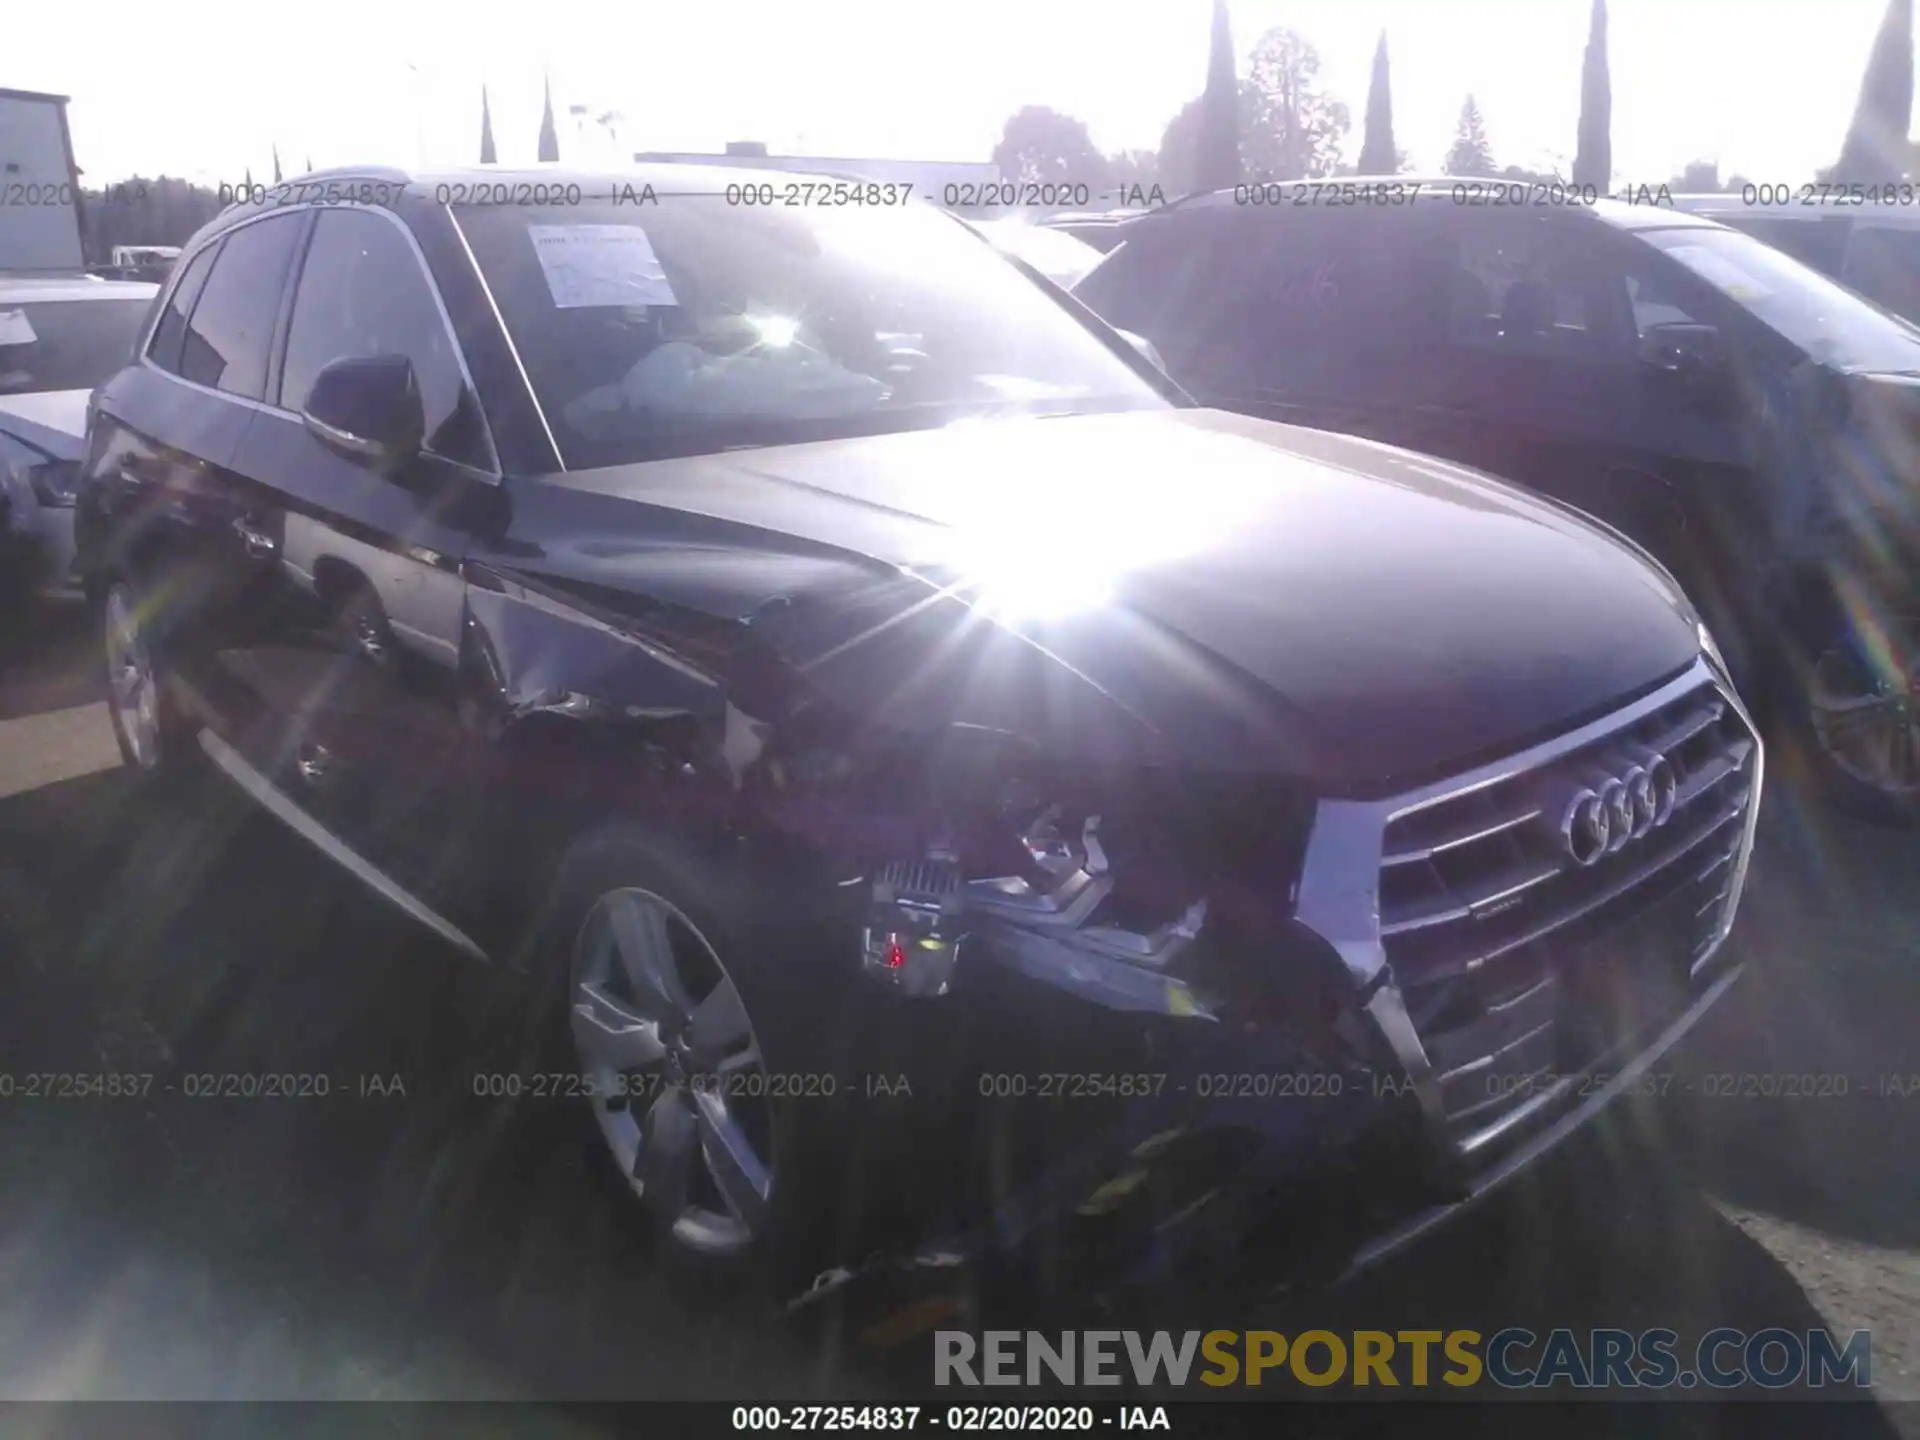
<point>1528,285</point>
<point>1158,281</point>
<point>164,348</point>
<point>1340,308</point>
<point>363,293</point>
<point>1318,304</point>
<point>231,329</point>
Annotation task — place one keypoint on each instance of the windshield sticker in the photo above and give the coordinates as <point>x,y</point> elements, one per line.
<point>600,266</point>
<point>15,328</point>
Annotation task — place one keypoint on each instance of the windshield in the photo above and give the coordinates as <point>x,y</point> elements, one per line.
<point>66,344</point>
<point>1828,321</point>
<point>692,326</point>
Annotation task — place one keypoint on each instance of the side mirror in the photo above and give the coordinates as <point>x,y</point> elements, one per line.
<point>1144,346</point>
<point>368,409</point>
<point>1692,356</point>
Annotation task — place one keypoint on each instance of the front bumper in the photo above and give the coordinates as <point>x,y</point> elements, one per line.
<point>1371,1146</point>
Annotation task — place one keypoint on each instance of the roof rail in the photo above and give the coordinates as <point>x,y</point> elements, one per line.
<point>356,172</point>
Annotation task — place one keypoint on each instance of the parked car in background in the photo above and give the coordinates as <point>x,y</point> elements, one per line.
<point>1058,258</point>
<point>58,339</point>
<point>149,264</point>
<point>1054,253</point>
<point>1102,229</point>
<point>137,255</point>
<point>845,686</point>
<point>1872,249</point>
<point>1748,421</point>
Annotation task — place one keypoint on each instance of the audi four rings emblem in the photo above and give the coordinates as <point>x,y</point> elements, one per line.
<point>1611,810</point>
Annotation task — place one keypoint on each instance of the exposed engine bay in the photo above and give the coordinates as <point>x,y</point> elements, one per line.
<point>1123,889</point>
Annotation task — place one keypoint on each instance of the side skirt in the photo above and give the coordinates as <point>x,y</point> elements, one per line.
<point>278,804</point>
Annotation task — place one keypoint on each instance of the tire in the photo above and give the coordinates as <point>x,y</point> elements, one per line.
<point>767,1077</point>
<point>156,741</point>
<point>1850,709</point>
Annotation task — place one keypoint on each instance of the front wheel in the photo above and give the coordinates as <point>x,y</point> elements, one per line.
<point>674,1070</point>
<point>714,1055</point>
<point>1858,718</point>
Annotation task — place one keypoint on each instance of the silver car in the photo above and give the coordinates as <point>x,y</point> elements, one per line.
<point>59,337</point>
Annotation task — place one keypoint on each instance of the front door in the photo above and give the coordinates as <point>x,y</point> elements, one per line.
<point>360,680</point>
<point>1554,380</point>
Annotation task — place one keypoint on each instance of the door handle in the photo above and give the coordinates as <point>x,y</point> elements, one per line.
<point>259,544</point>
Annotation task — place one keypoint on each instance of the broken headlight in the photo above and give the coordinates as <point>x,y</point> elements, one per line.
<point>913,932</point>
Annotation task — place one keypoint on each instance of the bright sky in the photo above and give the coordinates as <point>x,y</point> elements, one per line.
<point>202,88</point>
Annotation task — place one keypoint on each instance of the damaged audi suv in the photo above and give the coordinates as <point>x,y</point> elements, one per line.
<point>938,793</point>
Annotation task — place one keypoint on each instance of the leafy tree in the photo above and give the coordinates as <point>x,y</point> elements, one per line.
<point>1217,155</point>
<point>1471,154</point>
<point>1698,177</point>
<point>487,156</point>
<point>1179,154</point>
<point>1378,155</point>
<point>1289,129</point>
<point>1133,167</point>
<point>140,211</point>
<point>1876,148</point>
<point>1593,159</point>
<point>1292,129</point>
<point>549,140</point>
<point>1042,145</point>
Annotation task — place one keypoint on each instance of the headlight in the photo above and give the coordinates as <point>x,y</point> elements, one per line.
<point>1708,645</point>
<point>54,482</point>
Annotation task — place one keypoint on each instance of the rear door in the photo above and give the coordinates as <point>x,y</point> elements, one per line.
<point>358,676</point>
<point>1553,381</point>
<point>167,507</point>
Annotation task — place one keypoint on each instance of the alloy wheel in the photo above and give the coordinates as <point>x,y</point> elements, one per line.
<point>674,1070</point>
<point>134,688</point>
<point>1864,702</point>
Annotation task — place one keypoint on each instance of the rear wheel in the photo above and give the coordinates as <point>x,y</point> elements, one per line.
<point>154,738</point>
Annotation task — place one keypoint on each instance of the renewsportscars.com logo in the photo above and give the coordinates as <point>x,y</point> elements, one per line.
<point>1513,1358</point>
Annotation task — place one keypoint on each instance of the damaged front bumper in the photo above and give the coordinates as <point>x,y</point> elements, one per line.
<point>1444,1080</point>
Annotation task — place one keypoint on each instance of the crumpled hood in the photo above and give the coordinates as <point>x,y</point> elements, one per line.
<point>1241,592</point>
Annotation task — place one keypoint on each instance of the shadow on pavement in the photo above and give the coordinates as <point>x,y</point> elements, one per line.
<point>48,660</point>
<point>403,1236</point>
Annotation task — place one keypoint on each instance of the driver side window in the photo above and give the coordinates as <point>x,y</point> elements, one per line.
<point>363,293</point>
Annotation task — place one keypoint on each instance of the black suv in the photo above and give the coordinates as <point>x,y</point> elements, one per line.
<point>1749,422</point>
<point>928,776</point>
<point>1871,248</point>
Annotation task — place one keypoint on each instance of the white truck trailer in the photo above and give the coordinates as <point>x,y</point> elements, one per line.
<point>39,186</point>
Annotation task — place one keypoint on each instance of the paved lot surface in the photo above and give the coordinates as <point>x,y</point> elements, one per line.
<point>424,1243</point>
